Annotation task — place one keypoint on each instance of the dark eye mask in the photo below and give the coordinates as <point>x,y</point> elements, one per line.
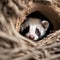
<point>37,32</point>
<point>26,30</point>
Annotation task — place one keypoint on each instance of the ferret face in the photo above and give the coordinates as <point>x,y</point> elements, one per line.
<point>34,29</point>
<point>35,32</point>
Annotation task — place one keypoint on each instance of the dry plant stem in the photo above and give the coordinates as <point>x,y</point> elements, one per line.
<point>15,8</point>
<point>13,46</point>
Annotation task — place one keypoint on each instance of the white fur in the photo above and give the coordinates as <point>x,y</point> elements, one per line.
<point>32,32</point>
<point>33,24</point>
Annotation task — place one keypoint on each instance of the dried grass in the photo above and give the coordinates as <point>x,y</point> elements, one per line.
<point>13,46</point>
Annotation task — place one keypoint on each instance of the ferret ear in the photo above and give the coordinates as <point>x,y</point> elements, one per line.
<point>45,24</point>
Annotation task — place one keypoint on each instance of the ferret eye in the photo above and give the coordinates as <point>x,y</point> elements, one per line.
<point>26,30</point>
<point>37,32</point>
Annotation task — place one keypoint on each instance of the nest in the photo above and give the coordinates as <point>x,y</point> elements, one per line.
<point>13,46</point>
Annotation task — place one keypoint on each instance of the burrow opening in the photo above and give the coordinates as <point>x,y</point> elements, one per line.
<point>39,15</point>
<point>42,17</point>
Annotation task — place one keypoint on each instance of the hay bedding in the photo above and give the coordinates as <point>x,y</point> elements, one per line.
<point>13,46</point>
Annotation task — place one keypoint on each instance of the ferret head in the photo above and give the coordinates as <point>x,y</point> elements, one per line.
<point>34,28</point>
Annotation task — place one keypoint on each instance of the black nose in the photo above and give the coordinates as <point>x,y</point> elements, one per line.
<point>31,37</point>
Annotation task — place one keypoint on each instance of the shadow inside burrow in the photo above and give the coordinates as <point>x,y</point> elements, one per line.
<point>39,15</point>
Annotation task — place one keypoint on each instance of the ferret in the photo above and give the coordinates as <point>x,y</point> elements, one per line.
<point>34,28</point>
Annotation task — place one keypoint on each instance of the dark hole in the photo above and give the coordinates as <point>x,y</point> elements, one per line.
<point>57,52</point>
<point>40,16</point>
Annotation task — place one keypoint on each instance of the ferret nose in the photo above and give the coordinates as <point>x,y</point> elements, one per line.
<point>31,37</point>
